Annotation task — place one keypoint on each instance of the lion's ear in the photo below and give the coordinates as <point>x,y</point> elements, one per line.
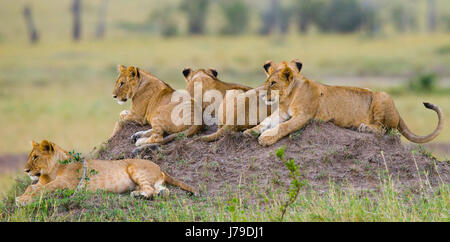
<point>121,68</point>
<point>213,72</point>
<point>267,67</point>
<point>46,146</point>
<point>298,64</point>
<point>186,72</point>
<point>33,144</point>
<point>133,71</point>
<point>286,74</point>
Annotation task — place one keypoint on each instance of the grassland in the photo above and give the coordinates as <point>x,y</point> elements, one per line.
<point>61,91</point>
<point>336,204</point>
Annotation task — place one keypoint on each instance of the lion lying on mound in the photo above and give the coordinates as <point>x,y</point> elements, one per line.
<point>45,165</point>
<point>229,121</point>
<point>301,100</point>
<point>151,103</point>
<point>211,89</point>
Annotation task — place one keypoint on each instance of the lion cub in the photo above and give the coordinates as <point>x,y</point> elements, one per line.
<point>301,100</point>
<point>44,166</point>
<point>249,109</point>
<point>152,103</point>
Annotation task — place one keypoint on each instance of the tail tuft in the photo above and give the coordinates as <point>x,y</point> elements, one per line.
<point>429,105</point>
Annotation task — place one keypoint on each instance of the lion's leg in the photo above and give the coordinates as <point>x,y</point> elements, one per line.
<point>156,137</point>
<point>144,182</point>
<point>272,135</point>
<point>38,189</point>
<point>370,128</point>
<point>384,115</point>
<point>270,122</point>
<point>141,134</point>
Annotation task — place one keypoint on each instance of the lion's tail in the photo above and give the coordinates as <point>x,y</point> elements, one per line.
<point>173,181</point>
<point>422,139</point>
<point>214,136</point>
<point>188,132</point>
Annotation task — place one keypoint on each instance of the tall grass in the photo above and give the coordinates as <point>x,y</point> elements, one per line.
<point>337,203</point>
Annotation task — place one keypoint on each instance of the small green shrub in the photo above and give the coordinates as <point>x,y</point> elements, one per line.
<point>424,82</point>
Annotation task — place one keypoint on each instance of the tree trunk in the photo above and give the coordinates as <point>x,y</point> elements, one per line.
<point>34,36</point>
<point>431,16</point>
<point>100,31</point>
<point>76,9</point>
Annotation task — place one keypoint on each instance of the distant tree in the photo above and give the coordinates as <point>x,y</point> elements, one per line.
<point>403,18</point>
<point>275,18</point>
<point>33,33</point>
<point>371,18</point>
<point>306,13</point>
<point>236,14</point>
<point>101,25</point>
<point>76,10</point>
<point>431,15</point>
<point>196,11</point>
<point>163,20</point>
<point>341,16</point>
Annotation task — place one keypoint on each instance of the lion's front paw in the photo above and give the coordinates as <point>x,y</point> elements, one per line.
<point>123,114</point>
<point>251,133</point>
<point>23,200</point>
<point>269,137</point>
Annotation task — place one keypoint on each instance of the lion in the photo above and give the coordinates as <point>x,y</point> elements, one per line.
<point>229,121</point>
<point>48,170</point>
<point>152,104</point>
<point>211,89</point>
<point>301,100</point>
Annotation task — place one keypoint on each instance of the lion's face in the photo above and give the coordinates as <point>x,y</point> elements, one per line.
<point>39,159</point>
<point>122,88</point>
<point>279,78</point>
<point>208,78</point>
<point>126,83</point>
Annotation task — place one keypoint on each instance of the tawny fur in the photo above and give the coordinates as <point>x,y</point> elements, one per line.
<point>301,100</point>
<point>209,80</point>
<point>142,177</point>
<point>228,121</point>
<point>151,103</point>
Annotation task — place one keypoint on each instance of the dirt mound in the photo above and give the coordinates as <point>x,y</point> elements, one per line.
<point>324,151</point>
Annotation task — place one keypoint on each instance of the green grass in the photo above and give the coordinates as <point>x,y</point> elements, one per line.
<point>258,204</point>
<point>62,91</point>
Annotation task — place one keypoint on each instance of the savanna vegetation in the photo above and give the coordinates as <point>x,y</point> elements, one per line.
<point>60,89</point>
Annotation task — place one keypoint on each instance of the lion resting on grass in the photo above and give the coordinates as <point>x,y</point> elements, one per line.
<point>152,103</point>
<point>46,166</point>
<point>228,118</point>
<point>301,100</point>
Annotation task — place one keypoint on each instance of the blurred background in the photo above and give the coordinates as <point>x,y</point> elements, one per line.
<point>58,59</point>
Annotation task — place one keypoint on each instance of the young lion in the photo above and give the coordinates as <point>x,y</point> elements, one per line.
<point>152,103</point>
<point>241,101</point>
<point>212,86</point>
<point>46,167</point>
<point>301,100</point>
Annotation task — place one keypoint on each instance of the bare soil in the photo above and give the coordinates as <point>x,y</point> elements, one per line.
<point>324,151</point>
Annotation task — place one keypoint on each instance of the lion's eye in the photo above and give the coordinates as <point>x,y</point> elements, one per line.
<point>35,157</point>
<point>121,84</point>
<point>272,83</point>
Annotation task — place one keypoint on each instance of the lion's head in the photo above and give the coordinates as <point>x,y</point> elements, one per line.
<point>280,79</point>
<point>207,77</point>
<point>41,159</point>
<point>126,83</point>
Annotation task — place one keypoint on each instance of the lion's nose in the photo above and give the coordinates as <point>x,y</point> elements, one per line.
<point>114,96</point>
<point>27,170</point>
